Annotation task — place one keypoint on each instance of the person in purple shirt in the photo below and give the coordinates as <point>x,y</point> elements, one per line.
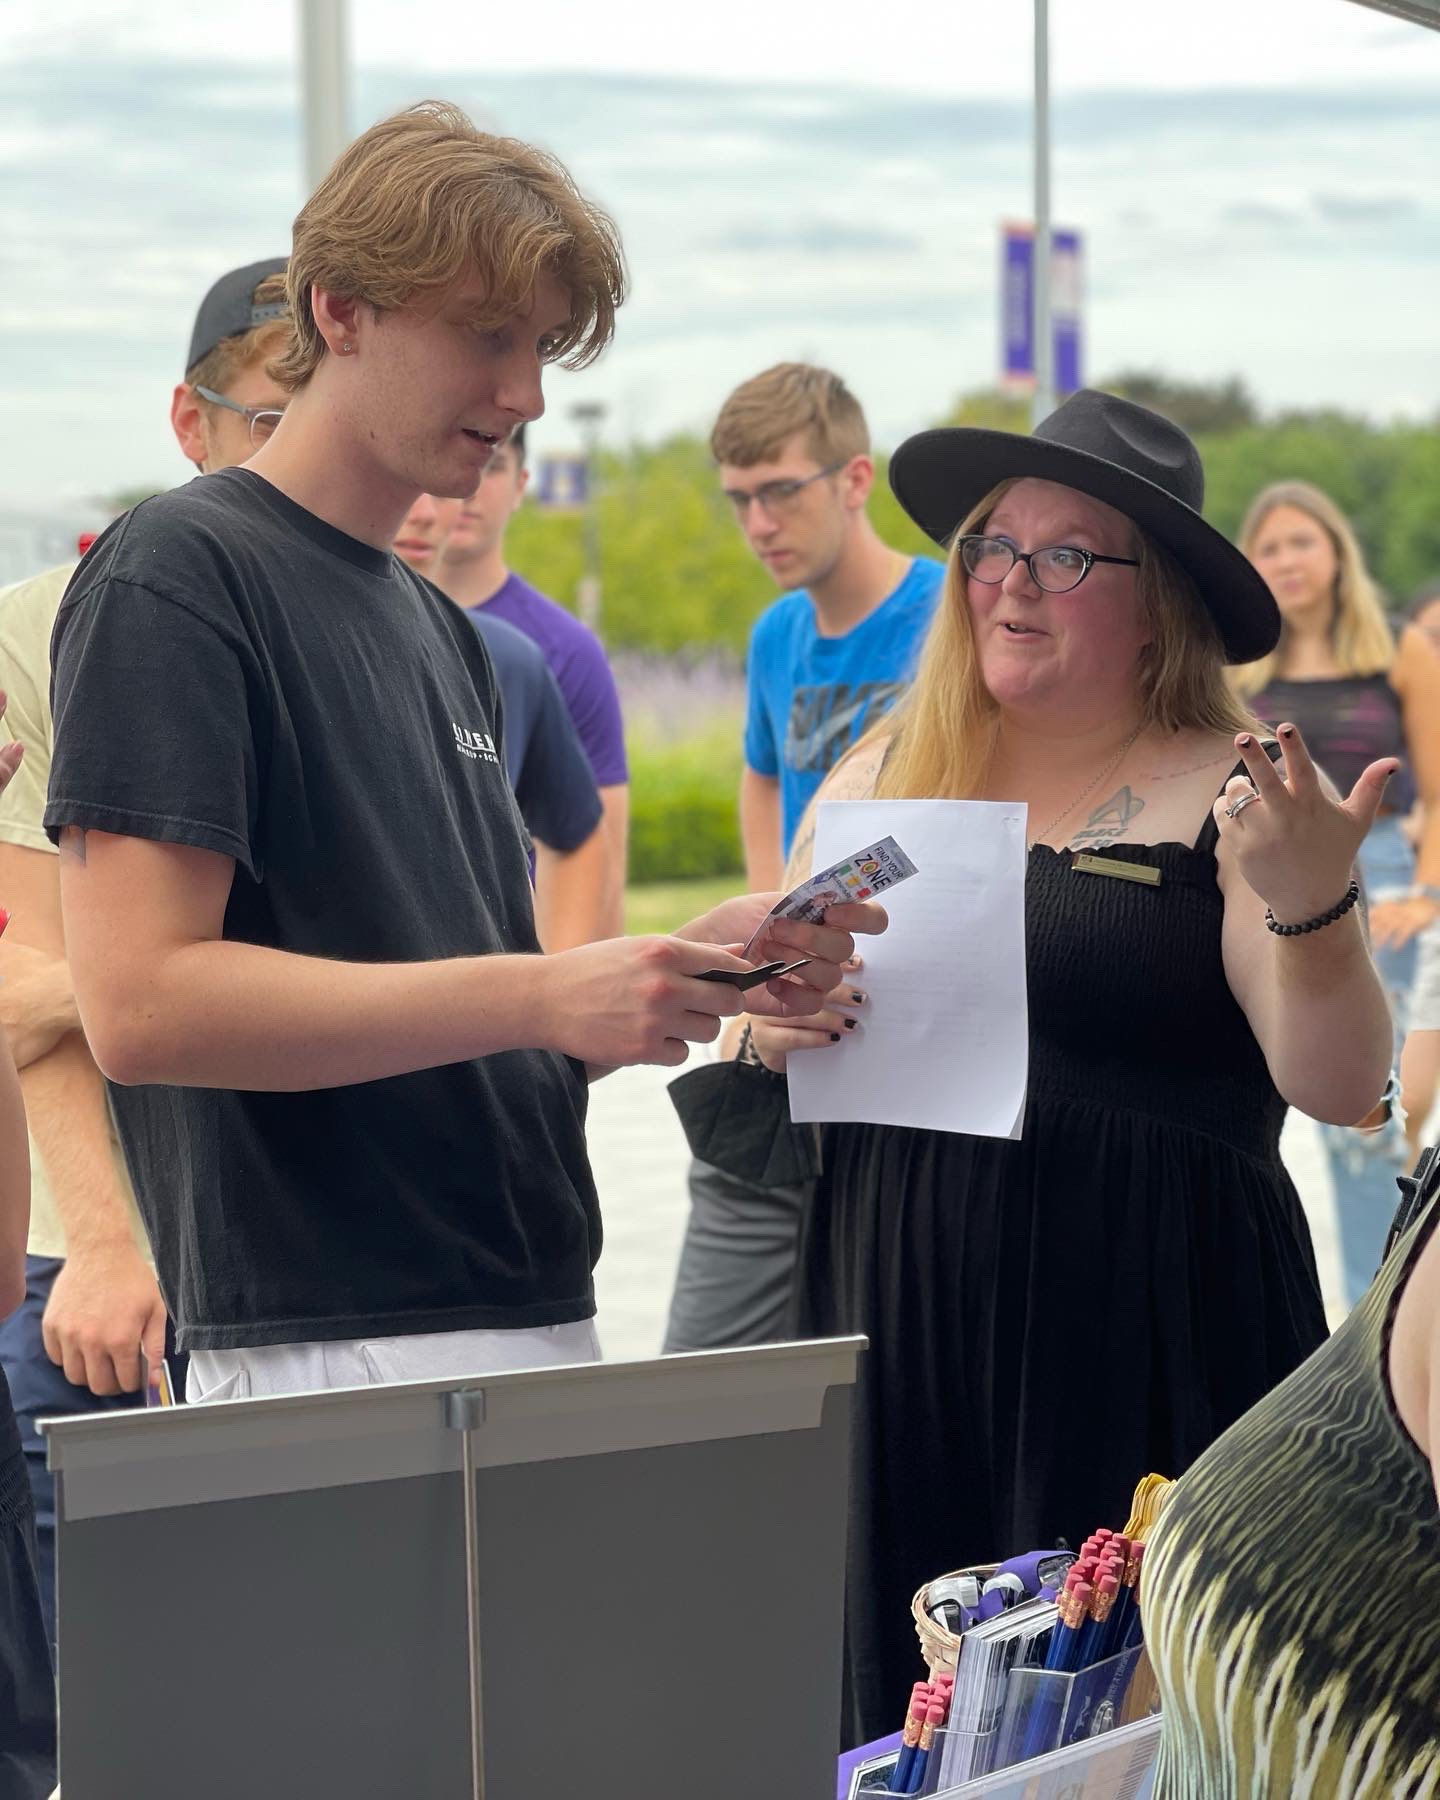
<point>548,769</point>
<point>473,572</point>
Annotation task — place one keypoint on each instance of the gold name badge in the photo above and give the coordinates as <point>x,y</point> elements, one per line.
<point>1122,871</point>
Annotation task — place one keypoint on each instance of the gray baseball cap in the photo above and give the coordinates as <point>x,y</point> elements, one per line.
<point>229,308</point>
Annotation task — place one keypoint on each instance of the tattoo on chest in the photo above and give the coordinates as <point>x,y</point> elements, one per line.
<point>1109,821</point>
<point>1211,762</point>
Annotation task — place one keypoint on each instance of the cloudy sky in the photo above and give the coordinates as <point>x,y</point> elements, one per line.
<point>1254,178</point>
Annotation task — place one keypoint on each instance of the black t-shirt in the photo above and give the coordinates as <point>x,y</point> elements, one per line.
<point>544,758</point>
<point>233,673</point>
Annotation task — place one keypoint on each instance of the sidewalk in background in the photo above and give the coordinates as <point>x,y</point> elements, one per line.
<point>639,1155</point>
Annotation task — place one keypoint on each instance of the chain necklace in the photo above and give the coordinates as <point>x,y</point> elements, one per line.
<point>1089,788</point>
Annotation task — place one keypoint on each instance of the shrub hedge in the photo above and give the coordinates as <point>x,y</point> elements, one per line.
<point>684,815</point>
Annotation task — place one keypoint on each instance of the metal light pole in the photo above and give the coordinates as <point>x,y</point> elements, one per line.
<point>588,415</point>
<point>1043,403</point>
<point>324,85</point>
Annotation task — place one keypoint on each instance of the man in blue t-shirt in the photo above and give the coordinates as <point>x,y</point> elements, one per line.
<point>837,649</point>
<point>831,656</point>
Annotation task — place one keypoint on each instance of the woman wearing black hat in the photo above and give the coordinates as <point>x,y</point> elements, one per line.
<point>1054,1317</point>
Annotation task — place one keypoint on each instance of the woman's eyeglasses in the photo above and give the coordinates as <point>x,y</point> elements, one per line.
<point>1056,569</point>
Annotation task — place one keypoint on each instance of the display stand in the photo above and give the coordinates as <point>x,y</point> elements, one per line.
<point>287,1597</point>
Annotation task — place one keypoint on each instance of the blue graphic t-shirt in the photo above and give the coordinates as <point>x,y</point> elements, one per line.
<point>810,697</point>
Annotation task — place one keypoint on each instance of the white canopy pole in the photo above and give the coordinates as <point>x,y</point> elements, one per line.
<point>1043,333</point>
<point>324,85</point>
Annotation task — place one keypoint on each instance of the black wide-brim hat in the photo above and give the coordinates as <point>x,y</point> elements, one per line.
<point>1112,450</point>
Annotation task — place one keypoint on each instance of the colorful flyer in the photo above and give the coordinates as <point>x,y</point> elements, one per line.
<point>860,876</point>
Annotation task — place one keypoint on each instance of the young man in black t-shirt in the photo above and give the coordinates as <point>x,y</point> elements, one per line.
<point>296,900</point>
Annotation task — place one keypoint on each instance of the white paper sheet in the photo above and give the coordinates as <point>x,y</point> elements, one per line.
<point>944,1040</point>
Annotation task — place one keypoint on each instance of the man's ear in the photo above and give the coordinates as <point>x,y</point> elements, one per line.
<point>856,480</point>
<point>520,486</point>
<point>340,319</point>
<point>187,420</point>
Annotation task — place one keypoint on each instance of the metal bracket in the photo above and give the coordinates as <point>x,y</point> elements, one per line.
<point>465,1410</point>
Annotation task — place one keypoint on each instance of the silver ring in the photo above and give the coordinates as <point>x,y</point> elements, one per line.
<point>1238,806</point>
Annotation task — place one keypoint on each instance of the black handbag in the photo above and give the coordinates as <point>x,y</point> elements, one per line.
<point>736,1116</point>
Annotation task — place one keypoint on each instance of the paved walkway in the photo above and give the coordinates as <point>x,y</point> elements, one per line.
<point>639,1155</point>
<point>640,1159</point>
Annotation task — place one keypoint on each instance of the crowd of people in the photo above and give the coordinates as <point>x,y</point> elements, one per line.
<point>313,838</point>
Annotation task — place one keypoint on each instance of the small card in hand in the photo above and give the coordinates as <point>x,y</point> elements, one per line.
<point>748,978</point>
<point>869,871</point>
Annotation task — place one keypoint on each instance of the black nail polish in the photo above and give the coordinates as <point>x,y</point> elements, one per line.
<point>850,1024</point>
<point>1287,731</point>
<point>1245,742</point>
<point>834,1037</point>
<point>857,998</point>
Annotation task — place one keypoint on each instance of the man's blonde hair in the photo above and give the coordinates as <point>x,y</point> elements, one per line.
<point>1360,636</point>
<point>944,728</point>
<point>233,356</point>
<point>764,413</point>
<point>424,198</point>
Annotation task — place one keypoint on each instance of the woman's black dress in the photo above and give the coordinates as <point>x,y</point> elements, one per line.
<point>1053,1318</point>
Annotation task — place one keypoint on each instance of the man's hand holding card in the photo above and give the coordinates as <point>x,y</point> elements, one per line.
<point>808,933</point>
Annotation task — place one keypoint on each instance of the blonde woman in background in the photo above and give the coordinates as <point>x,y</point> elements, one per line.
<point>1356,695</point>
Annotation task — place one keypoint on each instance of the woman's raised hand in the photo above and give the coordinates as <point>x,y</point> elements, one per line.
<point>1293,839</point>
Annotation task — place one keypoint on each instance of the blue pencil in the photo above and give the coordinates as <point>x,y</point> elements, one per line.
<point>1091,1648</point>
<point>1124,1601</point>
<point>914,1722</point>
<point>1074,1608</point>
<point>1060,1659</point>
<point>1134,1628</point>
<point>934,1714</point>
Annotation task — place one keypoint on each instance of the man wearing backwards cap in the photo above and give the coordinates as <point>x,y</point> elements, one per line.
<point>297,904</point>
<point>91,1300</point>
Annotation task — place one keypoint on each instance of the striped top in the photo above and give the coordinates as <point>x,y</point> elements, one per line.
<point>1292,1587</point>
<point>1348,722</point>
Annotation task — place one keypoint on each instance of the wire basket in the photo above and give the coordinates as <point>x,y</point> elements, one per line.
<point>939,1647</point>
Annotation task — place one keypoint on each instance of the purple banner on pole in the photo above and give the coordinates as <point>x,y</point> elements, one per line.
<point>1017,307</point>
<point>1066,297</point>
<point>564,482</point>
<point>1017,303</point>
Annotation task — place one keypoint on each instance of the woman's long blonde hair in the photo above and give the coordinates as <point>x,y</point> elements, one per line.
<point>943,731</point>
<point>1359,634</point>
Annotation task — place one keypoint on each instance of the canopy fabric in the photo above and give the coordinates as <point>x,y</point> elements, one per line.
<point>1419,12</point>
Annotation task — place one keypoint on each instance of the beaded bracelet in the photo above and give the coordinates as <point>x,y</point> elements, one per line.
<point>1338,911</point>
<point>747,1053</point>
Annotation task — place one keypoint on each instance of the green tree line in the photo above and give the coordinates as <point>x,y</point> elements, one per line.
<point>676,573</point>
